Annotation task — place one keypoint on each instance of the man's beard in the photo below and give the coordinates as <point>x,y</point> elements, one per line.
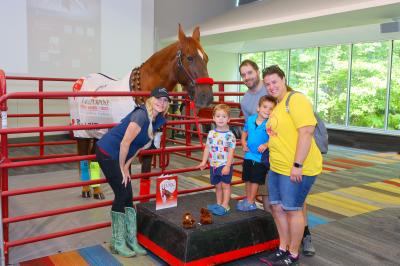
<point>255,85</point>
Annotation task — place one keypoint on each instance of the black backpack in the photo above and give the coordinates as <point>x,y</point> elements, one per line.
<point>320,132</point>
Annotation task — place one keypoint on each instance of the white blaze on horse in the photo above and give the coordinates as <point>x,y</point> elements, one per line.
<point>182,62</point>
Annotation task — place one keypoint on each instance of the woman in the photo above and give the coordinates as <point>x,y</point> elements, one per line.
<point>115,152</point>
<point>295,163</point>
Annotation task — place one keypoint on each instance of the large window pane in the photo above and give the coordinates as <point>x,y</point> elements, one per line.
<point>302,71</point>
<point>368,84</point>
<point>332,83</point>
<point>279,58</point>
<point>394,104</point>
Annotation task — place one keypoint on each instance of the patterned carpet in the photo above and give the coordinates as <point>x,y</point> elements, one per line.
<point>354,210</point>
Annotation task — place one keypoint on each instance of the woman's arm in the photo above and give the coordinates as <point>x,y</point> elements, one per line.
<point>131,133</point>
<point>302,150</point>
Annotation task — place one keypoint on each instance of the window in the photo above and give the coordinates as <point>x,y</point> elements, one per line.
<point>332,83</point>
<point>279,58</point>
<point>394,105</point>
<point>368,84</point>
<point>302,71</point>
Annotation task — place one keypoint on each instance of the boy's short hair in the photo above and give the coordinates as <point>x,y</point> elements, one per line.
<point>223,107</point>
<point>267,98</point>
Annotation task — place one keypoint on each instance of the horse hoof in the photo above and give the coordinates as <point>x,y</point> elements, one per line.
<point>86,194</point>
<point>99,196</point>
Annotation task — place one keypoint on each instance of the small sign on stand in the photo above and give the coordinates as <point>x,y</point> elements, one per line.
<point>166,192</point>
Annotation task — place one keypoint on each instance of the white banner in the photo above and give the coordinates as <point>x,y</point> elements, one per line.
<point>99,110</point>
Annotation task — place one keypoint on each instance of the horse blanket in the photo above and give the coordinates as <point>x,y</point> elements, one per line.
<point>99,110</point>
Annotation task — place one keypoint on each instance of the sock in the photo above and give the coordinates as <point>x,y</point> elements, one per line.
<point>282,249</point>
<point>294,257</point>
<point>306,231</point>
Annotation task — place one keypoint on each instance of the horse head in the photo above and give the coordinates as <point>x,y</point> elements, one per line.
<point>191,65</point>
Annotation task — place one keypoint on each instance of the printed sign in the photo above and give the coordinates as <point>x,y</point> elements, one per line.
<point>166,192</point>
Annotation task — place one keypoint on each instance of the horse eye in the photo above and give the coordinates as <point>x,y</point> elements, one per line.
<point>190,58</point>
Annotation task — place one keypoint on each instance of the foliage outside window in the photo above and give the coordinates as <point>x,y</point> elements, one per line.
<point>279,58</point>
<point>302,71</point>
<point>394,103</point>
<point>368,84</point>
<point>332,83</point>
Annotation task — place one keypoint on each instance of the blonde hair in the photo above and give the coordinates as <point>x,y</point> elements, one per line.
<point>149,107</point>
<point>222,107</point>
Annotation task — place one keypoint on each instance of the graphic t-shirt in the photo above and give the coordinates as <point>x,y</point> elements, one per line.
<point>218,143</point>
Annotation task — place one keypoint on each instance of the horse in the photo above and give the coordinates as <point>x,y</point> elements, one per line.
<point>183,62</point>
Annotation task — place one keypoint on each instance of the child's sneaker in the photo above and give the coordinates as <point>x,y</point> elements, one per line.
<point>220,211</point>
<point>240,204</point>
<point>248,207</point>
<point>211,207</point>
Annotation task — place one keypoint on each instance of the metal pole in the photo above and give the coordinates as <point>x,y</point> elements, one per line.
<point>4,237</point>
<point>388,84</point>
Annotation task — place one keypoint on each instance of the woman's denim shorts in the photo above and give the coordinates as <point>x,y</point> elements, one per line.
<point>291,195</point>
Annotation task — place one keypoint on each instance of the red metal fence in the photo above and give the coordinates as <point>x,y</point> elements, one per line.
<point>7,163</point>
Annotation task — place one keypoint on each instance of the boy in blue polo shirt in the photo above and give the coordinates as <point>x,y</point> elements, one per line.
<point>254,143</point>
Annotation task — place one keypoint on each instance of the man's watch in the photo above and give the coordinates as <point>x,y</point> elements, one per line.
<point>297,165</point>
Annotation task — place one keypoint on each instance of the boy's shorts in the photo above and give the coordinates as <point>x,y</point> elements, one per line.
<point>254,172</point>
<point>291,195</point>
<point>216,176</point>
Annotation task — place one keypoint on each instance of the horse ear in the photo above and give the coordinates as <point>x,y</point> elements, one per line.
<point>196,34</point>
<point>181,34</point>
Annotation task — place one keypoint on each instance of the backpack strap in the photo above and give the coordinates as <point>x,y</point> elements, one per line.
<point>287,100</point>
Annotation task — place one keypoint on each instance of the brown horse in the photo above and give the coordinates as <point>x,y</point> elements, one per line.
<point>182,62</point>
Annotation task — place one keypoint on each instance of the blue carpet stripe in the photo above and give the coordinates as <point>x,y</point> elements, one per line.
<point>315,220</point>
<point>98,256</point>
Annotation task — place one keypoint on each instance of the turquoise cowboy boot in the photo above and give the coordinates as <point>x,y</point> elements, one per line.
<point>131,228</point>
<point>118,245</point>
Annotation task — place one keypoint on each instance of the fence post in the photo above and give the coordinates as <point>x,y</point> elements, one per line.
<point>4,237</point>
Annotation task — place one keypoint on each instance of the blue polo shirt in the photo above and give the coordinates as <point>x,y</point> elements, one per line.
<point>111,141</point>
<point>257,135</point>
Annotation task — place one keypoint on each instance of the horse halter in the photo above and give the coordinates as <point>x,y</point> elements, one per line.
<point>193,83</point>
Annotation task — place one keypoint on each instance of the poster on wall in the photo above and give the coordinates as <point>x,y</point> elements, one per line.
<point>166,192</point>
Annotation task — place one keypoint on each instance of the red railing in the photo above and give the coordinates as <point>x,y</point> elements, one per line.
<point>43,159</point>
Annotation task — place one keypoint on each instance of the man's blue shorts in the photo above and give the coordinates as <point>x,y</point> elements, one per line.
<point>291,195</point>
<point>216,176</point>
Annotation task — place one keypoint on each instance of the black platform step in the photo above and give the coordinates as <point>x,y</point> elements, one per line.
<point>233,236</point>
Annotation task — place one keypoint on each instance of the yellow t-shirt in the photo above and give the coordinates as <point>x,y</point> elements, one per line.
<point>282,129</point>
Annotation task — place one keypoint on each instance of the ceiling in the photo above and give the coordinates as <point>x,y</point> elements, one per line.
<point>254,25</point>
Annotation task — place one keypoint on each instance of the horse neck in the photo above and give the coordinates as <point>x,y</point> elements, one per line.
<point>160,69</point>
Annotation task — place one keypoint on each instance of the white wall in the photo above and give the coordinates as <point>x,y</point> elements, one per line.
<point>224,67</point>
<point>55,40</point>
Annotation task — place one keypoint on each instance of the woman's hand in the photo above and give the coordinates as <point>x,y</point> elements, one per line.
<point>126,176</point>
<point>225,170</point>
<point>202,165</point>
<point>262,148</point>
<point>295,175</point>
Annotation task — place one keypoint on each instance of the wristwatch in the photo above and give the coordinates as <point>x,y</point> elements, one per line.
<point>297,165</point>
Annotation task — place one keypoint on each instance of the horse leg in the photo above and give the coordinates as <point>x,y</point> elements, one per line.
<point>83,149</point>
<point>95,175</point>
